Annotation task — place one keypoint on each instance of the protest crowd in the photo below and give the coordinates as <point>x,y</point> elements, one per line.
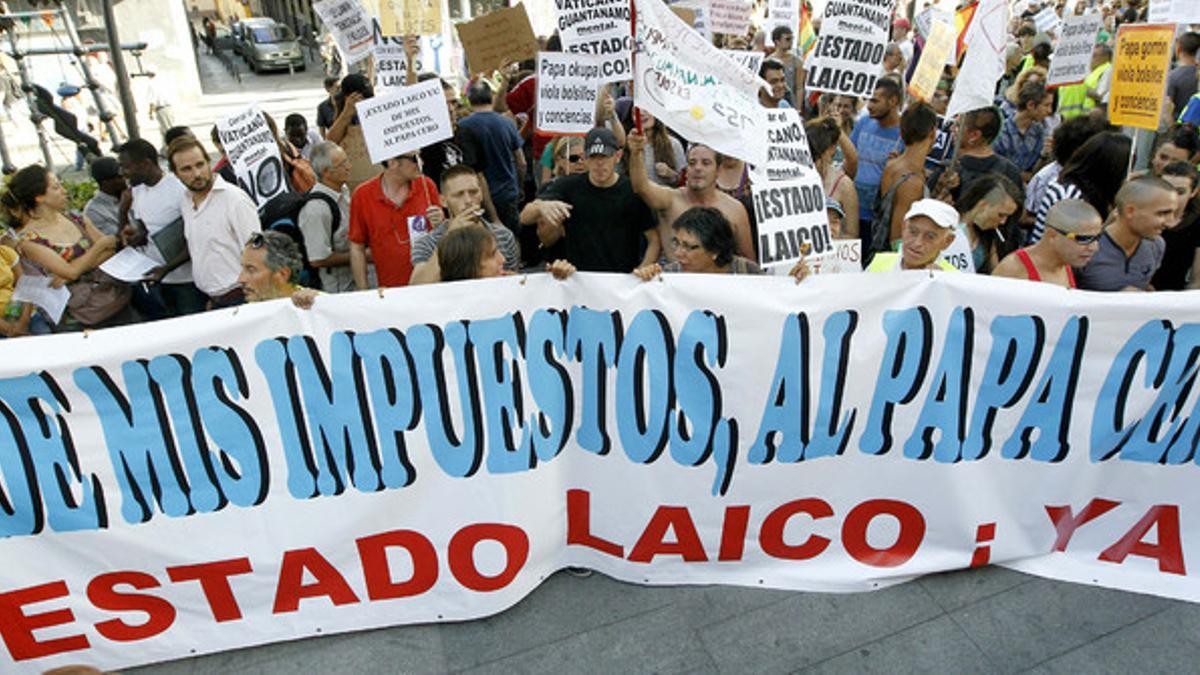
<point>929,166</point>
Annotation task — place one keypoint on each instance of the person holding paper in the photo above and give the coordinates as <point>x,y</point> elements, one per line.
<point>701,190</point>
<point>348,133</point>
<point>386,214</point>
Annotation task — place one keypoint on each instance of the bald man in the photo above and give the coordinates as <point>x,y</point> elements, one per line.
<point>1132,247</point>
<point>1073,230</point>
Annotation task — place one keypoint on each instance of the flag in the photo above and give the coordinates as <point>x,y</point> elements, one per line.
<point>962,21</point>
<point>694,88</point>
<point>983,65</point>
<point>808,36</point>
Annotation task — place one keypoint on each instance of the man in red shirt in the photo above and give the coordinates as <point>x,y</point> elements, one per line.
<point>386,214</point>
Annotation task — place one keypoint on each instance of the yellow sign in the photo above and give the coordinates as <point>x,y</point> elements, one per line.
<point>410,17</point>
<point>1139,76</point>
<point>933,61</point>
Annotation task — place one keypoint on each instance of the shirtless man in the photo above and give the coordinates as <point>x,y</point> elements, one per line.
<point>701,190</point>
<point>1073,230</point>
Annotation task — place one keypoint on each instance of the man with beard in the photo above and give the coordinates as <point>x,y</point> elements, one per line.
<point>700,190</point>
<point>154,205</point>
<point>218,220</point>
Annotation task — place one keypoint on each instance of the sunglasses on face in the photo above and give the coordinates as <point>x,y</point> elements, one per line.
<point>257,240</point>
<point>1081,239</point>
<point>574,158</point>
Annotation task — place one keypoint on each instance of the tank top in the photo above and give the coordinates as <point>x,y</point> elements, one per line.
<point>1032,271</point>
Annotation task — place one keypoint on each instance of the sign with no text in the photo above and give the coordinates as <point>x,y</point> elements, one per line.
<point>497,39</point>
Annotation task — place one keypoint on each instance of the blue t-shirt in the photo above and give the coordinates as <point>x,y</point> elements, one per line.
<point>874,144</point>
<point>497,137</point>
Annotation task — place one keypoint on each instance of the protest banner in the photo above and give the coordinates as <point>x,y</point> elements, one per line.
<point>567,88</point>
<point>730,17</point>
<point>750,60</point>
<point>689,84</point>
<point>788,155</point>
<point>410,17</point>
<point>250,476</point>
<point>391,63</point>
<point>983,66</point>
<point>350,25</point>
<point>792,222</point>
<point>404,120</point>
<point>845,258</point>
<point>848,57</point>
<point>781,13</point>
<point>932,63</point>
<point>253,153</point>
<point>1069,64</point>
<point>1047,21</point>
<point>497,39</point>
<point>599,28</point>
<point>1141,62</point>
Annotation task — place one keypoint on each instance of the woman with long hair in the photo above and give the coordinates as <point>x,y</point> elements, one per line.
<point>1094,174</point>
<point>824,135</point>
<point>472,253</point>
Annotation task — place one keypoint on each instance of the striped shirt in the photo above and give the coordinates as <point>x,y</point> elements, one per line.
<point>1055,193</point>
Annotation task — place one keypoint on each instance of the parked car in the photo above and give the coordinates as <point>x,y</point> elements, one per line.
<point>225,40</point>
<point>242,30</point>
<point>272,47</point>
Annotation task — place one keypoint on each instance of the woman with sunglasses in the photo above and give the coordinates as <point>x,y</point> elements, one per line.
<point>1073,229</point>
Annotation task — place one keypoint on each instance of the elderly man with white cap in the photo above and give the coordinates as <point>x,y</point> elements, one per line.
<point>928,229</point>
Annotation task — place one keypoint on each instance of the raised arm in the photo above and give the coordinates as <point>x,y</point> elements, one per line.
<point>657,197</point>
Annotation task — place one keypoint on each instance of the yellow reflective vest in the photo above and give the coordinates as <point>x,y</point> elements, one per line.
<point>1073,100</point>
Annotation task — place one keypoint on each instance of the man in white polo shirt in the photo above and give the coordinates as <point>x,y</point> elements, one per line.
<point>218,220</point>
<point>928,229</point>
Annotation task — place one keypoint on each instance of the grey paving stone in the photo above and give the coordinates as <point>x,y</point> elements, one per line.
<point>936,646</point>
<point>1034,622</point>
<point>811,627</point>
<point>659,641</point>
<point>1166,642</point>
<point>955,590</point>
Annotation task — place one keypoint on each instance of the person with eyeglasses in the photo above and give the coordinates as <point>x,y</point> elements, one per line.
<point>702,241</point>
<point>324,220</point>
<point>386,214</point>
<point>1132,247</point>
<point>1073,229</point>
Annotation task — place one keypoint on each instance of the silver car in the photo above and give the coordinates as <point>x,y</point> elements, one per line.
<point>272,47</point>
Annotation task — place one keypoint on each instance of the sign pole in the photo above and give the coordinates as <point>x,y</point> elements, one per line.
<point>637,114</point>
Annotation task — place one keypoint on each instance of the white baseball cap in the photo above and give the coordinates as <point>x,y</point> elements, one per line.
<point>942,214</point>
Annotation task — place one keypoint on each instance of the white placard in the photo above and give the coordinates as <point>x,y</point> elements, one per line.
<point>36,290</point>
<point>781,13</point>
<point>730,17</point>
<point>788,154</point>
<point>1046,21</point>
<point>599,28</point>
<point>391,63</point>
<point>567,86</point>
<point>129,264</point>
<point>752,60</point>
<point>792,221</point>
<point>848,56</point>
<point>404,120</point>
<point>1160,11</point>
<point>1183,11</point>
<point>1072,57</point>
<point>350,25</point>
<point>845,258</point>
<point>253,153</point>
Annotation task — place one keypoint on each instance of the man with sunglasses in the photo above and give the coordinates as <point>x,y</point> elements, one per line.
<point>386,214</point>
<point>1073,230</point>
<point>1131,247</point>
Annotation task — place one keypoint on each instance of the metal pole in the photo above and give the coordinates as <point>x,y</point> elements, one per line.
<point>118,62</point>
<point>30,97</point>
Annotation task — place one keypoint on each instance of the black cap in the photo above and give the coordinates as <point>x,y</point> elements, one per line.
<point>104,168</point>
<point>600,141</point>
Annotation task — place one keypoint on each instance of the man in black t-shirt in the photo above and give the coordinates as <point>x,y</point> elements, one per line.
<point>326,111</point>
<point>597,215</point>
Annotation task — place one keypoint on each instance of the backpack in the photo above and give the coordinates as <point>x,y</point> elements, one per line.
<point>282,214</point>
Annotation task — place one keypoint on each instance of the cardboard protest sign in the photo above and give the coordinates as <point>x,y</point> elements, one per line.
<point>788,155</point>
<point>253,153</point>
<point>686,14</point>
<point>567,86</point>
<point>782,13</point>
<point>1139,76</point>
<point>730,17</point>
<point>929,68</point>
<point>350,25</point>
<point>410,17</point>
<point>404,120</point>
<point>983,65</point>
<point>689,84</point>
<point>848,56</point>
<point>845,258</point>
<point>700,16</point>
<point>1072,57</point>
<point>498,39</point>
<point>1046,21</point>
<point>599,28</point>
<point>751,60</point>
<point>792,221</point>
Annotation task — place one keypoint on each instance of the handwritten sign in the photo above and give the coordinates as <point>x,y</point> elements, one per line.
<point>1071,59</point>
<point>404,120</point>
<point>752,60</point>
<point>498,39</point>
<point>410,17</point>
<point>845,258</point>
<point>730,17</point>
<point>1143,57</point>
<point>933,60</point>
<point>567,85</point>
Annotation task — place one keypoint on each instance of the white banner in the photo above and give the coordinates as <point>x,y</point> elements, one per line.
<point>788,154</point>
<point>404,120</point>
<point>751,60</point>
<point>567,87</point>
<point>792,221</point>
<point>983,65</point>
<point>243,477</point>
<point>697,91</point>
<point>1071,58</point>
<point>253,153</point>
<point>730,17</point>
<point>350,25</point>
<point>848,56</point>
<point>599,28</point>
